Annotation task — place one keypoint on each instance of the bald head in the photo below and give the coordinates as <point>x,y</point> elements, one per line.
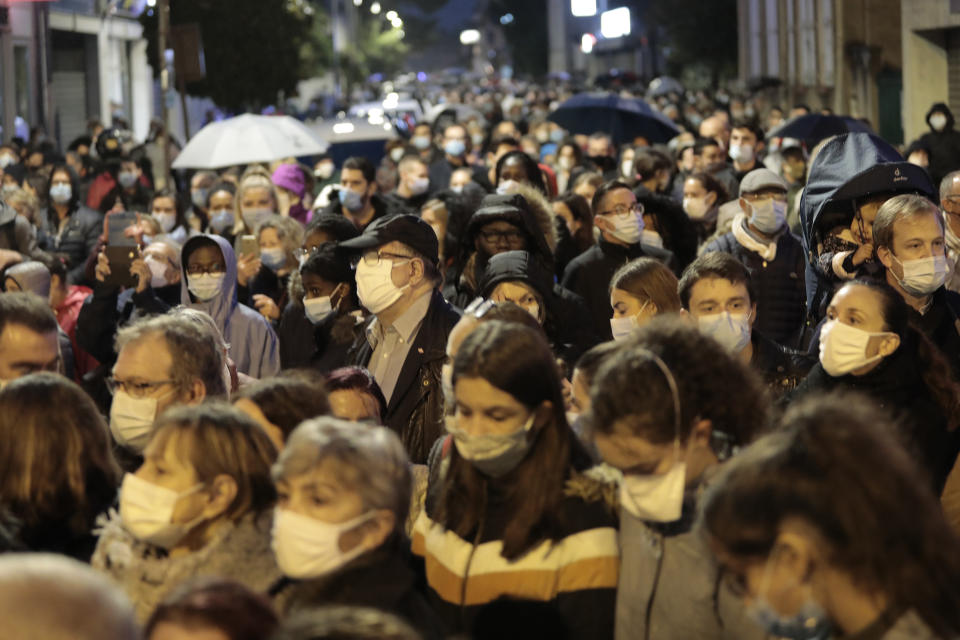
<point>717,128</point>
<point>51,597</point>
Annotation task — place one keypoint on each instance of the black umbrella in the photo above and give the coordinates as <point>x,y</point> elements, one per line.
<point>623,118</point>
<point>814,127</point>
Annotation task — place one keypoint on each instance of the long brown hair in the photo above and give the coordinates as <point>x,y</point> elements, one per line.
<point>517,360</point>
<point>837,464</point>
<point>56,465</point>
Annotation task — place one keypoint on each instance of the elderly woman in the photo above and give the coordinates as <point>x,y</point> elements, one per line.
<point>338,527</point>
<point>198,506</point>
<point>278,238</point>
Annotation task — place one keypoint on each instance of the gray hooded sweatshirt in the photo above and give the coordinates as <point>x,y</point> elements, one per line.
<point>253,343</point>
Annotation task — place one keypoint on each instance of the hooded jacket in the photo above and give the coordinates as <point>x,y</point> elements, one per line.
<point>566,319</point>
<point>77,241</point>
<point>253,343</point>
<point>944,146</point>
<point>849,167</point>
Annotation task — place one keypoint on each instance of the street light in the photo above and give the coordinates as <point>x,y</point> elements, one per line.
<point>583,8</point>
<point>587,42</point>
<point>470,36</point>
<point>357,3</point>
<point>392,15</point>
<point>375,8</point>
<point>396,22</point>
<point>615,23</point>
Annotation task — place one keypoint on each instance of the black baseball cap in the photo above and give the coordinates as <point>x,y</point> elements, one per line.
<point>406,228</point>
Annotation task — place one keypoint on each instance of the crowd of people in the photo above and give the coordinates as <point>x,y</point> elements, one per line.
<point>511,381</point>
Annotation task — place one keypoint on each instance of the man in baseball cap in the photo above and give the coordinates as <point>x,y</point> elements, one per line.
<point>404,343</point>
<point>761,240</point>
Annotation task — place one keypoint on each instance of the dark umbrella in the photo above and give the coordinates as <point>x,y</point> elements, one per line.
<point>814,127</point>
<point>623,118</point>
<point>663,85</point>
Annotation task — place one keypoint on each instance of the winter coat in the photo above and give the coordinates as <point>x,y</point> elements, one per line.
<point>67,314</point>
<point>16,232</point>
<point>781,368</point>
<point>897,386</point>
<point>381,579</point>
<point>236,551</point>
<point>253,343</point>
<point>892,626</point>
<point>77,241</point>
<point>324,346</point>
<point>674,226</point>
<point>944,146</point>
<point>778,283</point>
<point>941,323</point>
<point>588,275</point>
<point>380,207</point>
<point>415,411</point>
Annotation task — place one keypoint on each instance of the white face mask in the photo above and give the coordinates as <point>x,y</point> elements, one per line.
<point>844,348</point>
<point>651,238</point>
<point>938,121</point>
<point>494,455</point>
<point>628,229</point>
<point>507,186</point>
<point>768,215</point>
<point>623,327</point>
<point>131,420</point>
<point>324,171</point>
<point>317,309</point>
<point>626,169</point>
<point>167,220</point>
<point>419,186</point>
<point>146,510</point>
<point>158,272</point>
<point>273,258</point>
<point>254,217</point>
<point>742,153</point>
<point>308,548</point>
<point>695,208</point>
<point>396,154</point>
<point>565,163</point>
<point>922,276</point>
<point>732,330</point>
<point>655,498</point>
<point>375,285</point>
<point>206,286</point>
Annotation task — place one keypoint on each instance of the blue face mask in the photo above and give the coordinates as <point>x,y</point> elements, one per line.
<point>254,217</point>
<point>421,142</point>
<point>61,193</point>
<point>127,179</point>
<point>810,623</point>
<point>556,136</point>
<point>273,258</point>
<point>351,200</point>
<point>199,197</point>
<point>222,220</point>
<point>455,148</point>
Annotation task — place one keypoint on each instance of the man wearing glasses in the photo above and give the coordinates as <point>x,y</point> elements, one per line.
<point>621,223</point>
<point>405,339</point>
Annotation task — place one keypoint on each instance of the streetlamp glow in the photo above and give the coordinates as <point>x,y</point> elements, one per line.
<point>396,22</point>
<point>583,8</point>
<point>587,42</point>
<point>615,23</point>
<point>375,8</point>
<point>391,15</point>
<point>470,36</point>
<point>357,3</point>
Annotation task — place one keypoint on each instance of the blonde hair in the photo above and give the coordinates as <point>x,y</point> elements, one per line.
<point>255,177</point>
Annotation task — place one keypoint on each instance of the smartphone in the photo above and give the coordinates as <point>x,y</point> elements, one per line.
<point>248,245</point>
<point>117,223</point>
<point>121,257</point>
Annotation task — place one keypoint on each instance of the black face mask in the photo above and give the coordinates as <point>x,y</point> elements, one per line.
<point>603,163</point>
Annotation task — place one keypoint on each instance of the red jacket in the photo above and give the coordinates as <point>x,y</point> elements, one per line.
<point>67,314</point>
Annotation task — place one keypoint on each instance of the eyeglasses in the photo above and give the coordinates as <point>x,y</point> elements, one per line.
<point>510,236</point>
<point>624,210</point>
<point>303,254</point>
<point>134,389</point>
<point>372,258</point>
<point>779,196</point>
<point>479,307</point>
<point>201,269</point>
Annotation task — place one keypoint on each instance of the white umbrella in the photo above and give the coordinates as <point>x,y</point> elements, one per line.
<point>249,138</point>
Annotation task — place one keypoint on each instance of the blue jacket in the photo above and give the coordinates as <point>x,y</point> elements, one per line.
<point>253,343</point>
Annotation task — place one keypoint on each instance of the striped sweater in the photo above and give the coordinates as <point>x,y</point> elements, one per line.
<point>575,575</point>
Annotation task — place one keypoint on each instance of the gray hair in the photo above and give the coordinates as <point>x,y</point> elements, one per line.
<point>371,461</point>
<point>196,347</point>
<point>174,245</point>
<point>288,230</point>
<point>52,597</point>
<point>946,182</point>
<point>902,207</point>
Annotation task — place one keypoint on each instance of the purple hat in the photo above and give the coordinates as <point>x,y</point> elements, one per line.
<point>290,177</point>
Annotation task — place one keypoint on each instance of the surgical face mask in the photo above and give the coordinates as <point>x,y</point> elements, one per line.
<point>844,348</point>
<point>375,285</point>
<point>938,121</point>
<point>732,330</point>
<point>420,142</point>
<point>8,189</point>
<point>507,186</point>
<point>273,258</point>
<point>206,286</point>
<point>131,420</point>
<point>455,148</point>
<point>768,215</point>
<point>309,548</point>
<point>146,510</point>
<point>255,216</point>
<point>6,160</point>
<point>922,276</point>
<point>565,163</point>
<point>652,238</point>
<point>742,153</point>
<point>158,272</point>
<point>494,455</point>
<point>626,169</point>
<point>61,193</point>
<point>317,309</point>
<point>628,228</point>
<point>199,197</point>
<point>811,622</point>
<point>556,135</point>
<point>457,188</point>
<point>419,186</point>
<point>167,220</point>
<point>127,179</point>
<point>543,136</point>
<point>222,220</point>
<point>655,498</point>
<point>396,154</point>
<point>477,139</point>
<point>351,200</point>
<point>621,328</point>
<point>324,171</point>
<point>695,208</point>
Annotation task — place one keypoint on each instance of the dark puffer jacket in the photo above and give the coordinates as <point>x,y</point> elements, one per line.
<point>76,243</point>
<point>944,145</point>
<point>781,294</point>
